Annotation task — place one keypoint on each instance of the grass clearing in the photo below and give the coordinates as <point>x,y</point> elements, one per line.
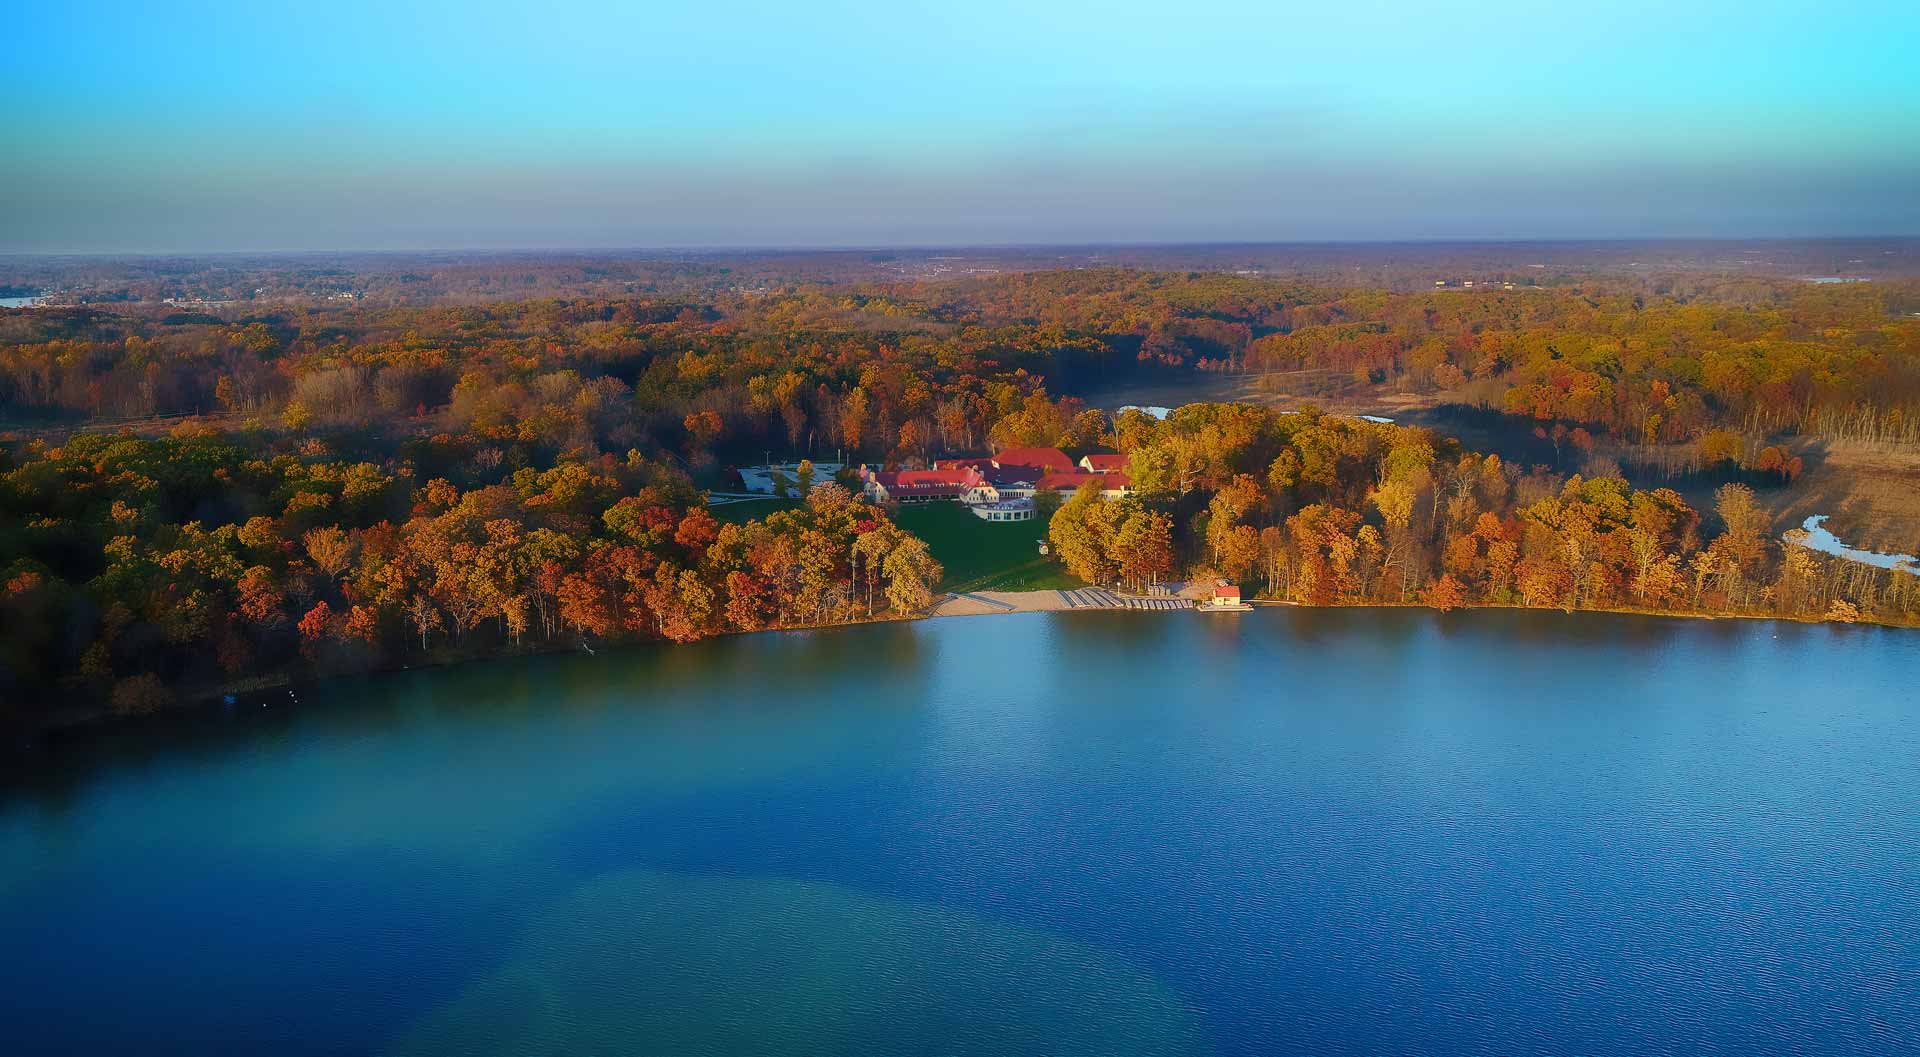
<point>977,555</point>
<point>984,556</point>
<point>1870,491</point>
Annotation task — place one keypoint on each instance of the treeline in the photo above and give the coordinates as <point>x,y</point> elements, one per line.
<point>798,374</point>
<point>911,369</point>
<point>134,569</point>
<point>1331,511</point>
<point>1837,360</point>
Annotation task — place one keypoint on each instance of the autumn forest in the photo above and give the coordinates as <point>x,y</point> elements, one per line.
<point>210,496</point>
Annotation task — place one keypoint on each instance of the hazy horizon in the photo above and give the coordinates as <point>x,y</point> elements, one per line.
<point>803,249</point>
<point>420,128</point>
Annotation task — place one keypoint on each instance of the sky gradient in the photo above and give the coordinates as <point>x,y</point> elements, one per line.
<point>349,125</point>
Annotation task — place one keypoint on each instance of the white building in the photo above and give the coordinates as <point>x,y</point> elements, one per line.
<point>1008,510</point>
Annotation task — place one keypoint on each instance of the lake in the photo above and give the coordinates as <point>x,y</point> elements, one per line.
<point>1288,831</point>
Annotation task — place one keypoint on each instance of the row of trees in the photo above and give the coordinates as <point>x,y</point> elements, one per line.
<point>1325,510</point>
<point>130,567</point>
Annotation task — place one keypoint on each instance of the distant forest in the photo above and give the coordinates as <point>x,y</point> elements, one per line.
<point>902,370</point>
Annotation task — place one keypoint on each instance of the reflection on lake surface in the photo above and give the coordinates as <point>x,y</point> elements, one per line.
<point>1290,831</point>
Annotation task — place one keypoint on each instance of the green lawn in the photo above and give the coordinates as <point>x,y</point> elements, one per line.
<point>978,555</point>
<point>982,555</point>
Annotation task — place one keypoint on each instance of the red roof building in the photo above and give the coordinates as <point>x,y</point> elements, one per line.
<point>1112,485</point>
<point>1037,461</point>
<point>906,486</point>
<point>1103,463</point>
<point>1013,474</point>
<point>975,462</point>
<point>1225,597</point>
<point>928,478</point>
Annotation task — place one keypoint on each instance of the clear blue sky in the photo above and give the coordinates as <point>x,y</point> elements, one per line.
<point>338,125</point>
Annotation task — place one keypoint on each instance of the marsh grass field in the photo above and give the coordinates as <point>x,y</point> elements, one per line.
<point>1871,493</point>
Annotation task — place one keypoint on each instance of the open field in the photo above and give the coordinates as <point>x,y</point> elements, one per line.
<point>1870,491</point>
<point>980,556</point>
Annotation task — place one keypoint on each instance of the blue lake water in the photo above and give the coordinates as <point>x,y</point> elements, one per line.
<point>1315,832</point>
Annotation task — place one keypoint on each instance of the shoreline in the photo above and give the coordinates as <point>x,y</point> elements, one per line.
<point>1033,602</point>
<point>77,722</point>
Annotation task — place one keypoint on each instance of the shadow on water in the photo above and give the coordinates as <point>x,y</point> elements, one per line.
<point>767,669</point>
<point>762,668</point>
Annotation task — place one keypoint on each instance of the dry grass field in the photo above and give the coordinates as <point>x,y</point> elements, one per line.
<point>1871,491</point>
